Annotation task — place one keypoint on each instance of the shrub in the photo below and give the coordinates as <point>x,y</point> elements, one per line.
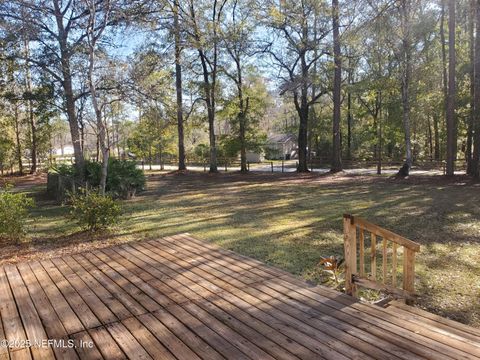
<point>63,169</point>
<point>94,211</point>
<point>93,172</point>
<point>334,267</point>
<point>124,180</point>
<point>202,151</point>
<point>13,213</point>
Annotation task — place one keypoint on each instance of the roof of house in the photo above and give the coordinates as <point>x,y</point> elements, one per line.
<point>281,138</point>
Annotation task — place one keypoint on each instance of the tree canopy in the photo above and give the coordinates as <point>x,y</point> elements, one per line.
<point>382,80</point>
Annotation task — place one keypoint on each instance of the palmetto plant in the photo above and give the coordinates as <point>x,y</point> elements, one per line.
<point>334,267</point>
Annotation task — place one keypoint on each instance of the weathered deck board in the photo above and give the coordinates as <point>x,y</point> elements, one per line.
<point>70,320</point>
<point>182,298</point>
<point>12,323</point>
<point>340,329</point>
<point>105,343</point>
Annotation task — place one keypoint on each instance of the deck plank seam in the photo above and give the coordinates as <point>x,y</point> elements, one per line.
<point>305,333</point>
<point>185,253</point>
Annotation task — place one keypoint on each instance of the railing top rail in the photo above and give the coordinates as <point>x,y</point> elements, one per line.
<point>377,230</point>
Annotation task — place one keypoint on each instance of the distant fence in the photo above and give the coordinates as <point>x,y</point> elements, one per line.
<point>229,164</point>
<point>232,164</point>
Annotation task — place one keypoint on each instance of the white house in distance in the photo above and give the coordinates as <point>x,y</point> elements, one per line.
<point>255,157</point>
<point>64,151</point>
<point>282,146</point>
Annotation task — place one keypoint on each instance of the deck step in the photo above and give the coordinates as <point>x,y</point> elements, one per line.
<point>436,322</point>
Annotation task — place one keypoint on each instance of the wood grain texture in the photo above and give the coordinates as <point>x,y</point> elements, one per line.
<point>182,298</point>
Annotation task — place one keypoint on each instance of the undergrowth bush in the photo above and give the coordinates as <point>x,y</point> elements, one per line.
<point>93,173</point>
<point>124,180</point>
<point>63,169</point>
<point>94,211</point>
<point>13,213</point>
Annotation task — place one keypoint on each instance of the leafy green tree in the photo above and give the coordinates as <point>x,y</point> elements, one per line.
<point>237,32</point>
<point>299,29</point>
<point>152,137</point>
<point>245,134</point>
<point>202,23</point>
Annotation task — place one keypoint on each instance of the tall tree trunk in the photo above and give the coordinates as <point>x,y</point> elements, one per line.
<point>436,134</point>
<point>82,135</point>
<point>451,118</point>
<point>179,89</point>
<point>208,87</point>
<point>444,59</point>
<point>17,139</point>
<point>31,115</point>
<point>429,138</point>
<point>312,121</point>
<point>101,136</point>
<point>303,136</point>
<point>471,115</point>
<point>65,56</point>
<point>211,117</point>
<point>212,88</point>
<point>337,83</point>
<point>242,117</point>
<point>101,128</point>
<point>476,125</point>
<point>378,120</point>
<point>33,130</point>
<point>150,157</point>
<point>74,130</point>
<point>302,107</point>
<point>444,76</point>
<point>406,77</point>
<point>243,147</point>
<point>349,117</point>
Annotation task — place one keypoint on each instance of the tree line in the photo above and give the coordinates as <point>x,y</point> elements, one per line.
<point>365,79</point>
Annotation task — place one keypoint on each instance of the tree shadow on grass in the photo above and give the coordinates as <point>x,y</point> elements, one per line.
<point>292,220</point>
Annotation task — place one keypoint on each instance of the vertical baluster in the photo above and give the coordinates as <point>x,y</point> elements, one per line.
<point>362,252</point>
<point>408,269</point>
<point>394,265</point>
<point>350,244</point>
<point>373,256</point>
<point>384,261</point>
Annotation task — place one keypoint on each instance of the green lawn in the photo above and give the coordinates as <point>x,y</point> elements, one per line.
<point>290,221</point>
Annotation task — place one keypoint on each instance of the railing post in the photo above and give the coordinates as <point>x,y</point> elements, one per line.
<point>408,270</point>
<point>350,247</point>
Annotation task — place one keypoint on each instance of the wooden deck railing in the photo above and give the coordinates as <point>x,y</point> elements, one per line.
<point>356,231</point>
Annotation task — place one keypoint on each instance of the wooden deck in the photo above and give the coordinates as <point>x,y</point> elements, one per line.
<point>181,298</point>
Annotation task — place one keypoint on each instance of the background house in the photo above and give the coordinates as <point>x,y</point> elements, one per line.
<point>282,146</point>
<point>255,156</point>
